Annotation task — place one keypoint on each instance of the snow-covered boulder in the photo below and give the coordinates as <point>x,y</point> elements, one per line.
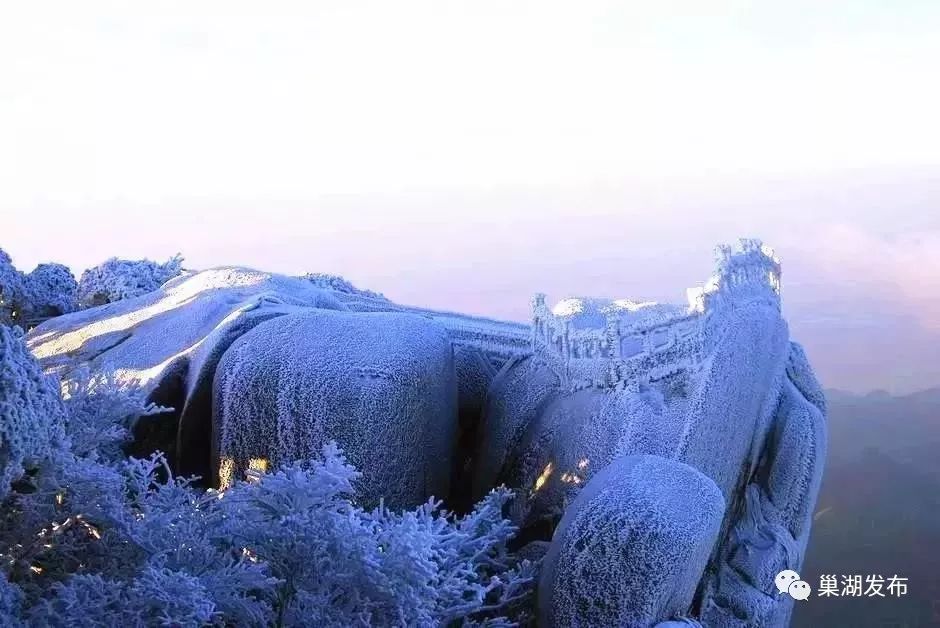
<point>168,342</point>
<point>577,434</point>
<point>382,385</point>
<point>633,546</point>
<point>516,398</point>
<point>730,403</point>
<point>773,531</point>
<point>140,338</point>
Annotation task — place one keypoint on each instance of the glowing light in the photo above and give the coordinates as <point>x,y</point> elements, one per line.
<point>570,478</point>
<point>92,530</point>
<point>543,477</point>
<point>583,463</point>
<point>226,472</point>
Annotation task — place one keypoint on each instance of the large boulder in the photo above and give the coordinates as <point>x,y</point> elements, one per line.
<point>516,397</point>
<point>382,385</point>
<point>633,546</point>
<point>168,342</point>
<point>698,381</point>
<point>725,404</point>
<point>772,533</point>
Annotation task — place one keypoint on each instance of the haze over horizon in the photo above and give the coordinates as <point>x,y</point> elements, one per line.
<point>466,155</point>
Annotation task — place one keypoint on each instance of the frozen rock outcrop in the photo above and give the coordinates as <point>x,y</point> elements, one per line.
<point>711,387</point>
<point>644,379</point>
<point>632,547</point>
<point>168,342</point>
<point>772,533</point>
<point>707,415</point>
<point>382,385</point>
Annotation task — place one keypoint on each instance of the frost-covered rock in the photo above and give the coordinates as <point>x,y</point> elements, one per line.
<point>773,531</point>
<point>31,410</point>
<point>576,435</point>
<point>118,279</point>
<point>143,339</point>
<point>699,382</point>
<point>633,546</point>
<point>706,387</point>
<point>380,384</point>
<point>263,369</point>
<point>168,342</point>
<point>516,397</point>
<point>49,290</point>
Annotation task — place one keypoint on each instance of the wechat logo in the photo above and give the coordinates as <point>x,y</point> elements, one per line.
<point>788,581</point>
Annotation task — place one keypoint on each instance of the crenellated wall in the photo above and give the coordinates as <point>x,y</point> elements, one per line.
<point>628,352</point>
<point>629,349</point>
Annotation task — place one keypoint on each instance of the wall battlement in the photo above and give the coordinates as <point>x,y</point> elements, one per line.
<point>634,345</point>
<point>626,343</point>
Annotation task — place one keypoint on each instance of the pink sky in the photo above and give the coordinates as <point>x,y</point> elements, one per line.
<point>860,251</point>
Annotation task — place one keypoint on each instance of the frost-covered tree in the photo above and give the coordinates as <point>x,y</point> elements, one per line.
<point>31,411</point>
<point>340,284</point>
<point>118,279</point>
<point>11,288</point>
<point>88,535</point>
<point>49,290</point>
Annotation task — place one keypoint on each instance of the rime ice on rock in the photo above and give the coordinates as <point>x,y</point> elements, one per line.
<point>713,393</point>
<point>653,379</point>
<point>169,341</point>
<point>381,385</point>
<point>632,547</point>
<point>717,386</point>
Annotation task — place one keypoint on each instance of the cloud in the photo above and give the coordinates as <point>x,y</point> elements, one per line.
<point>901,269</point>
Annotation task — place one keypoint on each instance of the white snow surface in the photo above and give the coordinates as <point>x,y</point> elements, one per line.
<point>139,338</point>
<point>592,313</point>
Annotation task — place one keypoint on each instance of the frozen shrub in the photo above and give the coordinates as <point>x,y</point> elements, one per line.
<point>340,565</point>
<point>118,279</point>
<point>339,284</point>
<point>31,410</point>
<point>49,290</point>
<point>101,414</point>
<point>11,288</point>
<point>11,600</point>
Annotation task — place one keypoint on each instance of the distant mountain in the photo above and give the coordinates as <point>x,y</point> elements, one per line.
<point>878,512</point>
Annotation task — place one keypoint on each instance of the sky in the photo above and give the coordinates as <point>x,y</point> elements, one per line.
<point>465,155</point>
